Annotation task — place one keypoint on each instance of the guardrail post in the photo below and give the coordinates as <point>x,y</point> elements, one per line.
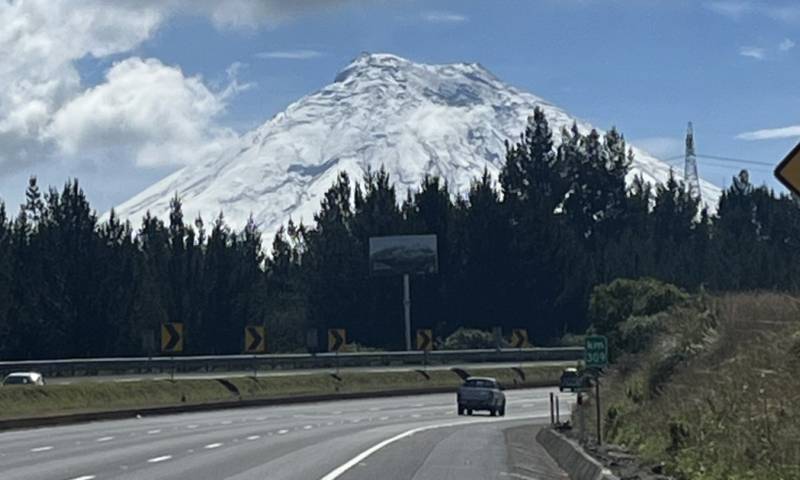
<point>552,410</point>
<point>558,413</point>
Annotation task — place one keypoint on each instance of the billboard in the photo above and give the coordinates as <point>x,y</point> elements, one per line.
<point>403,254</point>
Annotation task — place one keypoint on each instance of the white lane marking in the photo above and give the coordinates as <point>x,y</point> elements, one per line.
<point>212,446</point>
<point>192,426</point>
<point>374,409</point>
<point>153,432</point>
<point>254,437</point>
<point>419,405</point>
<point>307,427</point>
<point>226,422</point>
<point>160,459</point>
<point>340,470</point>
<point>85,477</point>
<point>329,424</point>
<point>282,432</point>
<point>104,439</point>
<point>42,449</point>
<point>416,415</point>
<point>383,418</point>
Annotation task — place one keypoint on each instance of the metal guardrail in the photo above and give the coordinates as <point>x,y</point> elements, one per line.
<point>236,363</point>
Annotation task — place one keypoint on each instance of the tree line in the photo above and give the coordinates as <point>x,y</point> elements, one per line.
<point>520,251</point>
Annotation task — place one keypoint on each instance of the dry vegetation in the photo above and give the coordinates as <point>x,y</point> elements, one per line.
<point>717,394</point>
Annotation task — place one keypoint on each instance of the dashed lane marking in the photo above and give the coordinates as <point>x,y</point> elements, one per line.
<point>283,432</point>
<point>104,439</point>
<point>254,437</point>
<point>212,446</point>
<point>163,458</point>
<point>42,449</point>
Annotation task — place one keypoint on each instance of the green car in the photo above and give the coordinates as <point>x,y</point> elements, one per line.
<point>573,379</point>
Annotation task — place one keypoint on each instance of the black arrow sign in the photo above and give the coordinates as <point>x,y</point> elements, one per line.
<point>174,337</point>
<point>255,336</point>
<point>335,340</point>
<point>423,340</point>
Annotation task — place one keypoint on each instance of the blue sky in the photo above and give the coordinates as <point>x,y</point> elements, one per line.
<point>646,66</point>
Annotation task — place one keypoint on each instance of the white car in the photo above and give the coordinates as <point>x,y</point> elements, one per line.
<point>24,378</point>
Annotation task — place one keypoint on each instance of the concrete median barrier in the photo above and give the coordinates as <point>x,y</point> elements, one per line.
<point>571,457</point>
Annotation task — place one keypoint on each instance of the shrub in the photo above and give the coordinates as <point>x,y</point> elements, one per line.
<point>465,338</point>
<point>613,303</point>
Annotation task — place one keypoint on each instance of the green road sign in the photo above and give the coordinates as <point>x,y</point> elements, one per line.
<point>596,351</point>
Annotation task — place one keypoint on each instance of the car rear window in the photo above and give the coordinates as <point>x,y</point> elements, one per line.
<point>16,381</point>
<point>479,384</point>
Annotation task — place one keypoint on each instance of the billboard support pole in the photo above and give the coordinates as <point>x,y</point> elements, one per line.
<point>407,308</point>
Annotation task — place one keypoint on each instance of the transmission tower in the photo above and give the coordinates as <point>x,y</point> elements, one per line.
<point>690,177</point>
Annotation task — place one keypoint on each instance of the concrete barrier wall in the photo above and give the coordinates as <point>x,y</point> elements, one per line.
<point>571,457</point>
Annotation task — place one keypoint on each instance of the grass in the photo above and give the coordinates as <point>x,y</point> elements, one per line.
<point>18,402</point>
<point>717,394</point>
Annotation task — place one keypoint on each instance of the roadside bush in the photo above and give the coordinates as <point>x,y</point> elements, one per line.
<point>613,303</point>
<point>637,333</point>
<point>465,338</point>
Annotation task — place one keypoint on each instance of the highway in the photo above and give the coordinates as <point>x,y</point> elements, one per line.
<point>285,372</point>
<point>401,438</point>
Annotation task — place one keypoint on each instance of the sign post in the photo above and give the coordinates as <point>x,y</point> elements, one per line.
<point>596,357</point>
<point>337,337</point>
<point>425,343</point>
<point>255,341</point>
<point>172,341</point>
<point>404,255</point>
<point>407,309</point>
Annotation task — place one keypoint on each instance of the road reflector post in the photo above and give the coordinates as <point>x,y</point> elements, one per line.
<point>558,412</point>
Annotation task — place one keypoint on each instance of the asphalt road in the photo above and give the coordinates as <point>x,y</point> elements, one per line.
<point>267,373</point>
<point>404,438</point>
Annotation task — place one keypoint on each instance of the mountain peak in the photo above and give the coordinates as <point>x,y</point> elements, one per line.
<point>413,119</point>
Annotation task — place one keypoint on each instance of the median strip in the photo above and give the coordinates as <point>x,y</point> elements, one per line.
<point>63,404</point>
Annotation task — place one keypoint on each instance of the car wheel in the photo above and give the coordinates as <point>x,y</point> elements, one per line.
<point>503,410</point>
<point>560,389</point>
<point>469,411</point>
<point>460,410</point>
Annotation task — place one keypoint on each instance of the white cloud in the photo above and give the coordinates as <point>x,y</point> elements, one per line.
<point>786,12</point>
<point>444,17</point>
<point>792,131</point>
<point>786,45</point>
<point>290,54</point>
<point>753,52</point>
<point>42,39</point>
<point>148,108</point>
<point>730,8</point>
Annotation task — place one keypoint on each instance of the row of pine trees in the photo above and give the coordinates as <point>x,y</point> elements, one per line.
<point>520,251</point>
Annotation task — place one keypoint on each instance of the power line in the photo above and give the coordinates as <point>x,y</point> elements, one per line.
<point>726,159</point>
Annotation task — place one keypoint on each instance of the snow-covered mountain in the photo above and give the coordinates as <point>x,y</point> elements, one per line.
<point>448,120</point>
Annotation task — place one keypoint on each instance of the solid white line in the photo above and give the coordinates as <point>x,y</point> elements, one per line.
<point>212,445</point>
<point>160,459</point>
<point>41,449</point>
<point>105,439</point>
<point>339,471</point>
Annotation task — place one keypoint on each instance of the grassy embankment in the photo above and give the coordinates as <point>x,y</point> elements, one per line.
<point>16,402</point>
<point>710,387</point>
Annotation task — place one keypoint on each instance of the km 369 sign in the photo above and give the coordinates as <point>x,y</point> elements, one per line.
<point>596,351</point>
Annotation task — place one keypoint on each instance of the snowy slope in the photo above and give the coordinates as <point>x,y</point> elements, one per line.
<point>447,120</point>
